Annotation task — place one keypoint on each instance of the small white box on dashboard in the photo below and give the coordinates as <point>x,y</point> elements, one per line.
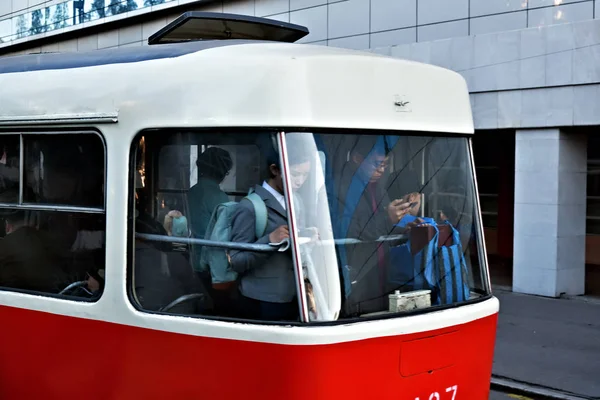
<point>409,301</point>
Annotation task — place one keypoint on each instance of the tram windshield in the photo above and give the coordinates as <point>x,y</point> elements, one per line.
<point>392,213</point>
<point>379,224</point>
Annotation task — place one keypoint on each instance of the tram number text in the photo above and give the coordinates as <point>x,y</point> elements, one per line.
<point>436,396</point>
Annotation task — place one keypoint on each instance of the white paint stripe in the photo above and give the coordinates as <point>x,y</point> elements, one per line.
<point>292,335</point>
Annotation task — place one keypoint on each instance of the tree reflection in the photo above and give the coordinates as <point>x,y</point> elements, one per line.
<point>21,26</point>
<point>65,14</point>
<point>60,17</point>
<point>36,23</point>
<point>98,8</point>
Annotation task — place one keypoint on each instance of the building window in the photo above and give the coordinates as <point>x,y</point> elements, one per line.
<point>66,14</point>
<point>52,216</point>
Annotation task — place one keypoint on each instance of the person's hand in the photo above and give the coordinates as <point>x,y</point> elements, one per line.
<point>279,234</point>
<point>398,209</point>
<point>416,222</point>
<point>92,284</point>
<point>414,199</point>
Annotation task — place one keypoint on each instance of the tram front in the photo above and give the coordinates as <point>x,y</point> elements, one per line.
<point>330,217</point>
<point>387,233</point>
<point>369,262</point>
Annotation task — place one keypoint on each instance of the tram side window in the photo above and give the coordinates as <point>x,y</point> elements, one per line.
<point>192,185</point>
<point>9,169</point>
<point>52,214</point>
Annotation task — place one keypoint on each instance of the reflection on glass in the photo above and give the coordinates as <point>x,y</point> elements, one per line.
<point>317,250</point>
<point>5,30</point>
<point>9,169</point>
<point>69,13</point>
<point>64,169</point>
<point>21,25</point>
<point>401,212</point>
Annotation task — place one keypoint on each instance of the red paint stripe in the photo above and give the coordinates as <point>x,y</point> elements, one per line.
<point>48,356</point>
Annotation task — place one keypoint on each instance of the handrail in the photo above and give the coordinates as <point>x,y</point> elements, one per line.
<point>263,248</point>
<point>181,299</point>
<point>73,286</point>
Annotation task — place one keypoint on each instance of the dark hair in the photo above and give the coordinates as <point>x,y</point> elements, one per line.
<point>267,145</point>
<point>214,163</point>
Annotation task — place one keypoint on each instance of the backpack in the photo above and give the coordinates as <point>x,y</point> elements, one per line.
<point>216,259</point>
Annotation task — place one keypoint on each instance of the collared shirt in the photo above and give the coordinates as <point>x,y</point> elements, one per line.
<point>278,196</point>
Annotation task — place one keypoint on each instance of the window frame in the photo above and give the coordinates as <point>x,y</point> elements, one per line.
<point>20,205</point>
<point>282,131</point>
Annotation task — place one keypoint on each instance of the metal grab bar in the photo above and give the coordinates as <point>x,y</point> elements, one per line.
<point>263,248</point>
<point>182,299</point>
<point>73,286</point>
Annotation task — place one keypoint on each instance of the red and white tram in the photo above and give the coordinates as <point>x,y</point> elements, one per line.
<point>112,280</point>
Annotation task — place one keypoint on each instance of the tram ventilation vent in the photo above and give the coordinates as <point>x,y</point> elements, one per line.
<point>195,25</point>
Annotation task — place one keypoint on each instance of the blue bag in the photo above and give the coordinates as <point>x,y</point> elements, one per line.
<point>443,270</point>
<point>453,281</point>
<point>416,271</point>
<point>215,259</point>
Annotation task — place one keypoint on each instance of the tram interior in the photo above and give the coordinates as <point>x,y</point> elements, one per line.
<point>52,208</point>
<point>167,172</point>
<point>54,217</point>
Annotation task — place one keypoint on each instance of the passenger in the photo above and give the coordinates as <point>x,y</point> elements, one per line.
<point>30,259</point>
<point>213,166</point>
<point>369,214</point>
<point>267,284</point>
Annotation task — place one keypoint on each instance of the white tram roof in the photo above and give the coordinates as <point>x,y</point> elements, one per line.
<point>236,83</point>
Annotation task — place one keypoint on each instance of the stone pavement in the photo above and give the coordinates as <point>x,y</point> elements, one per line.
<point>549,343</point>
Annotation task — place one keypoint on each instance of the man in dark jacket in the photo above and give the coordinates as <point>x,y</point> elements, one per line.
<point>267,283</point>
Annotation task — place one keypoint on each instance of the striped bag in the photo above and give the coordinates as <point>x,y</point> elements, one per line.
<point>435,266</point>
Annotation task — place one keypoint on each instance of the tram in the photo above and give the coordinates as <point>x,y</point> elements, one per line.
<point>227,213</point>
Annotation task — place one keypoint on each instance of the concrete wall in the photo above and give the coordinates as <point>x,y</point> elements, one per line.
<point>529,78</point>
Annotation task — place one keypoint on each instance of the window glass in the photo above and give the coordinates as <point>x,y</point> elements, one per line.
<point>64,14</point>
<point>59,251</point>
<point>9,169</point>
<point>174,168</point>
<point>5,30</point>
<point>190,187</point>
<point>374,214</point>
<point>63,171</point>
<point>44,251</point>
<point>402,213</point>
